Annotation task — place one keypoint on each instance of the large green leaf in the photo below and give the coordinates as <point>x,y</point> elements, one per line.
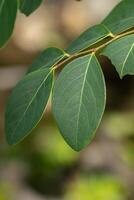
<point>29,6</point>
<point>121,53</point>
<point>26,104</point>
<point>1,4</point>
<point>121,18</point>
<point>78,100</point>
<point>47,58</point>
<point>8,12</point>
<point>90,37</point>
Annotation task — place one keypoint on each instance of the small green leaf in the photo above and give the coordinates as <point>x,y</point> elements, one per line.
<point>8,12</point>
<point>29,6</point>
<point>121,18</point>
<point>121,53</point>
<point>47,58</point>
<point>78,100</point>
<point>26,104</point>
<point>90,37</point>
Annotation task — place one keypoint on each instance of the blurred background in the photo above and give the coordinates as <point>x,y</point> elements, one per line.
<point>43,166</point>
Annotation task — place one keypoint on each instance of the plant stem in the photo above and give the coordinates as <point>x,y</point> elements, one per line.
<point>89,51</point>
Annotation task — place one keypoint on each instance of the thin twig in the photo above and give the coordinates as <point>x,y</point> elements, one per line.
<point>86,52</point>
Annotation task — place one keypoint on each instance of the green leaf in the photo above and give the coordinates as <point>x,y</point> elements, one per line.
<point>121,53</point>
<point>8,12</point>
<point>121,18</point>
<point>90,37</point>
<point>78,100</point>
<point>29,6</point>
<point>26,104</point>
<point>47,58</point>
<point>1,4</point>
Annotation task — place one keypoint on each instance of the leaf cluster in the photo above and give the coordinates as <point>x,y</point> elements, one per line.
<point>79,91</point>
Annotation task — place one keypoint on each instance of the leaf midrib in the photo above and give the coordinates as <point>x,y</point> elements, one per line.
<point>81,97</point>
<point>123,67</point>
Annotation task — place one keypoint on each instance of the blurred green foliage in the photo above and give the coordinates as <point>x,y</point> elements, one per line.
<point>52,168</point>
<point>6,191</point>
<point>95,188</point>
<point>119,124</point>
<point>121,127</point>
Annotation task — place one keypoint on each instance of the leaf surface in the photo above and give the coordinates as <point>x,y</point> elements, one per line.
<point>78,100</point>
<point>26,104</point>
<point>8,12</point>
<point>121,54</point>
<point>29,6</point>
<point>90,37</point>
<point>47,59</point>
<point>121,18</point>
<point>1,4</point>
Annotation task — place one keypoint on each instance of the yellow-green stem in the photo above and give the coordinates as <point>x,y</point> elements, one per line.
<point>89,51</point>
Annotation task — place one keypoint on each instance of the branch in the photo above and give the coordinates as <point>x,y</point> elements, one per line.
<point>93,50</point>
